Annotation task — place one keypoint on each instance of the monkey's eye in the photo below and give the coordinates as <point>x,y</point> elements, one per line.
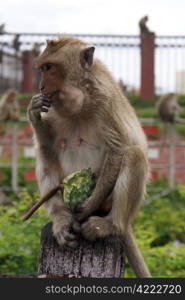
<point>46,67</point>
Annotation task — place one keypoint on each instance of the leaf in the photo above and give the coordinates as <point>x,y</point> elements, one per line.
<point>78,186</point>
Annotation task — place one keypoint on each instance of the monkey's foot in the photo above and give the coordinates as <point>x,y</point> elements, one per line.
<point>64,235</point>
<point>97,227</point>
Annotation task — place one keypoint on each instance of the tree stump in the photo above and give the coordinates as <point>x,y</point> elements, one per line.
<point>103,258</point>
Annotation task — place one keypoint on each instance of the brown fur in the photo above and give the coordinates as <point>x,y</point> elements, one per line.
<point>83,120</point>
<point>168,108</point>
<point>9,106</point>
<point>36,49</point>
<point>142,25</point>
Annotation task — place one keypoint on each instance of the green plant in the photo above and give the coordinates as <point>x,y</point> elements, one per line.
<point>160,232</point>
<point>78,186</point>
<point>20,242</point>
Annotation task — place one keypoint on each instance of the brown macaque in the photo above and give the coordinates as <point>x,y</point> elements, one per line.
<point>9,106</point>
<point>168,108</point>
<point>81,119</point>
<point>16,42</point>
<point>36,49</point>
<point>142,25</point>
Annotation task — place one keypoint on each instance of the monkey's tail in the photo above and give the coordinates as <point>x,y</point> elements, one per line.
<point>135,258</point>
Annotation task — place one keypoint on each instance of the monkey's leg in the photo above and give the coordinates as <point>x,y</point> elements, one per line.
<point>127,194</point>
<point>97,227</point>
<point>125,176</point>
<point>130,187</point>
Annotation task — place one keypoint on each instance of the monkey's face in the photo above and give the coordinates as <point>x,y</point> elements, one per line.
<point>63,69</point>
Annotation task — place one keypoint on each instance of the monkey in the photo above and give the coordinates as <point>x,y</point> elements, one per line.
<point>36,49</point>
<point>81,119</point>
<point>9,106</point>
<point>16,43</point>
<point>142,25</point>
<point>168,108</point>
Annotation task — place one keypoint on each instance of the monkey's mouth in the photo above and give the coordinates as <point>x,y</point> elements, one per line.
<point>51,94</point>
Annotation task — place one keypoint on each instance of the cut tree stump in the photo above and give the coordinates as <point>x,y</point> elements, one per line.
<point>103,258</point>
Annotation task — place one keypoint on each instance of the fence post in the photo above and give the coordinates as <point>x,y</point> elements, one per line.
<point>14,159</point>
<point>28,85</point>
<point>172,157</point>
<point>147,88</point>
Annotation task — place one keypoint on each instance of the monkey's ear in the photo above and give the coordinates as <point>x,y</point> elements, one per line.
<point>86,57</point>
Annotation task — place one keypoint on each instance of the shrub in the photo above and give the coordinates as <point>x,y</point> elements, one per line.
<point>19,242</point>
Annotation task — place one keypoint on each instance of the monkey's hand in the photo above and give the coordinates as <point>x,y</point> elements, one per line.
<point>85,209</point>
<point>39,103</point>
<point>63,230</point>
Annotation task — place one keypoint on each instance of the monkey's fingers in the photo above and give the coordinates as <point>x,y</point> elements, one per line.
<point>72,244</point>
<point>76,227</point>
<point>46,102</point>
<point>36,111</point>
<point>45,106</point>
<point>64,243</point>
<point>34,98</point>
<point>44,109</point>
<point>68,236</point>
<point>37,104</point>
<point>89,232</point>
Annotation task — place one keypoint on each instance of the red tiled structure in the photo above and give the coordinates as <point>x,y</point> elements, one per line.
<point>164,159</point>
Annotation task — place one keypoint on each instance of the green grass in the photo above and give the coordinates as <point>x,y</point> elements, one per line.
<point>160,232</point>
<point>147,108</point>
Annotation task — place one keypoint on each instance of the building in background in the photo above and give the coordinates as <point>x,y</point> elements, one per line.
<point>180,82</point>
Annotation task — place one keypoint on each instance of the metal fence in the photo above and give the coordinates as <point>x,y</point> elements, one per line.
<point>121,53</point>
<point>10,70</point>
<point>170,64</point>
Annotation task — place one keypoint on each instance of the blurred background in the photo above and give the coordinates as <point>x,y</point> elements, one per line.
<point>147,64</point>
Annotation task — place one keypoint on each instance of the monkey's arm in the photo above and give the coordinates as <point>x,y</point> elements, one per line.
<point>49,173</point>
<point>42,127</point>
<point>48,176</point>
<point>38,104</point>
<point>104,185</point>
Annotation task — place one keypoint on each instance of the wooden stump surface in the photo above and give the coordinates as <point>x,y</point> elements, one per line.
<point>103,258</point>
